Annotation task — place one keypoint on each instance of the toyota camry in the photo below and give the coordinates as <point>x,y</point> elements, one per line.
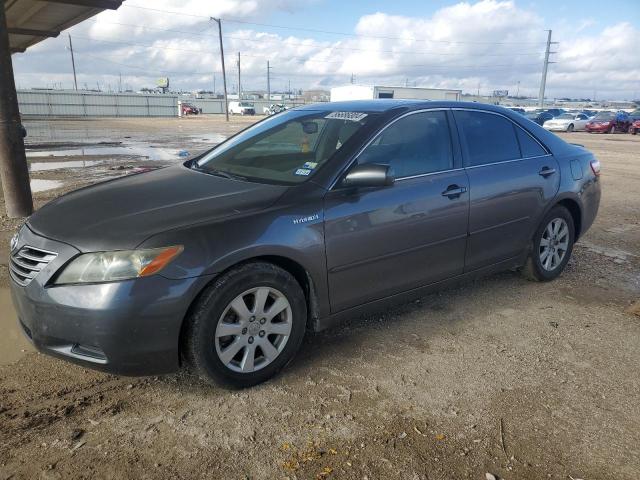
<point>308,217</point>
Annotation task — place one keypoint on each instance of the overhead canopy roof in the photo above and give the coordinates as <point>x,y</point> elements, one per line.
<point>31,21</point>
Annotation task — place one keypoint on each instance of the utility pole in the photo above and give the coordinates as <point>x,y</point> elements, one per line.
<point>290,89</point>
<point>268,81</point>
<point>73,64</point>
<point>239,84</point>
<point>120,82</point>
<point>543,81</point>
<point>224,75</point>
<point>13,162</point>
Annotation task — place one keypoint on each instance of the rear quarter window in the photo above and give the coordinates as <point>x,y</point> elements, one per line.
<point>529,147</point>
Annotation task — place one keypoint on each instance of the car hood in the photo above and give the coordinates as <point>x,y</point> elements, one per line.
<point>122,213</point>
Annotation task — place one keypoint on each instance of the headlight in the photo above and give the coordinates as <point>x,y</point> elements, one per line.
<point>119,265</point>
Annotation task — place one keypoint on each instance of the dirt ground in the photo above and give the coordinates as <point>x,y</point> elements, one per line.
<point>504,376</point>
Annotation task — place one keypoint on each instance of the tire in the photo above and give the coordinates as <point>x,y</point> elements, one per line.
<point>570,128</point>
<point>612,129</point>
<point>538,266</point>
<point>633,131</point>
<point>213,315</point>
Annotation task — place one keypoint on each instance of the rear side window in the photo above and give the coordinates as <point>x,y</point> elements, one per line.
<point>414,145</point>
<point>486,138</point>
<point>529,147</point>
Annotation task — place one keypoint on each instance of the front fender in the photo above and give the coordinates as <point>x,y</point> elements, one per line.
<point>295,233</point>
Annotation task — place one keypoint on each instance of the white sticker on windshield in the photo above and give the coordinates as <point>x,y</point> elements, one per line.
<point>351,116</point>
<point>303,171</point>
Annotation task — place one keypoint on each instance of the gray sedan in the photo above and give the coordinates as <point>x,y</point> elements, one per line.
<point>306,218</point>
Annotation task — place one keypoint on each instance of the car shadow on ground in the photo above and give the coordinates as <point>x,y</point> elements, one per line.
<point>442,312</point>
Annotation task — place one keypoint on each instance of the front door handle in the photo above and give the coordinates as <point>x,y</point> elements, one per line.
<point>546,171</point>
<point>454,191</point>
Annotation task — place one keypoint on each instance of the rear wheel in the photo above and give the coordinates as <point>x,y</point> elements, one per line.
<point>246,326</point>
<point>551,246</point>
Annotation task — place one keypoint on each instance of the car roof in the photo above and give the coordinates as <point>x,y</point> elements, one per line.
<point>551,140</point>
<point>386,104</point>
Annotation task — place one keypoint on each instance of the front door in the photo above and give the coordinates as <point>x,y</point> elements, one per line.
<point>386,240</point>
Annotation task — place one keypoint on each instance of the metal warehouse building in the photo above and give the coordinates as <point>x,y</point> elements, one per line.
<point>368,92</point>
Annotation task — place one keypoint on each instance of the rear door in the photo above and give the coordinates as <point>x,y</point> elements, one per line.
<point>385,240</point>
<point>512,178</point>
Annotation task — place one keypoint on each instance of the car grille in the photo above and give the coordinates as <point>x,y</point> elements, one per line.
<point>27,263</point>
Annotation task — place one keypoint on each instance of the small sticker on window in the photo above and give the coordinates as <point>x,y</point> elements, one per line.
<point>351,116</point>
<point>303,171</point>
<point>310,165</point>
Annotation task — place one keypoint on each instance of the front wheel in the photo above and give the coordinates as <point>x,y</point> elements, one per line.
<point>570,128</point>
<point>246,326</point>
<point>551,246</point>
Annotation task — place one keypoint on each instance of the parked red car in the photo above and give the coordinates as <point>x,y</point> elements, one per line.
<point>635,127</point>
<point>609,122</point>
<point>188,109</point>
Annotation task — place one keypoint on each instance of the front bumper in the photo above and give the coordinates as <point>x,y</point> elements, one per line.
<point>555,128</point>
<point>597,129</point>
<point>129,328</point>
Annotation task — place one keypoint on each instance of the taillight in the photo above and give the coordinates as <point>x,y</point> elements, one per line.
<point>595,167</point>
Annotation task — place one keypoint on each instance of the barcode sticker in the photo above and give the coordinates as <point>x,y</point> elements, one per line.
<point>351,116</point>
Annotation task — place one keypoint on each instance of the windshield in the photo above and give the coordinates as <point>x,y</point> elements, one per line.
<point>245,104</point>
<point>604,116</point>
<point>284,149</point>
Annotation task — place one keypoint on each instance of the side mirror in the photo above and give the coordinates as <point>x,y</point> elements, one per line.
<point>369,175</point>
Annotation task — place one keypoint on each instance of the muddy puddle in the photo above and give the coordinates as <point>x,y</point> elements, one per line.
<point>149,152</point>
<point>44,166</point>
<point>42,185</point>
<point>13,343</point>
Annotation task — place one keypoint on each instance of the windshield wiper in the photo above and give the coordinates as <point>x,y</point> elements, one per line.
<point>223,174</point>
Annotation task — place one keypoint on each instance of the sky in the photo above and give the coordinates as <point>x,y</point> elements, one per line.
<point>476,46</point>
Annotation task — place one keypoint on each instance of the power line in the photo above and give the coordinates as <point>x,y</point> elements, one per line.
<point>329,32</point>
<point>305,59</point>
<point>136,67</point>
<point>333,47</point>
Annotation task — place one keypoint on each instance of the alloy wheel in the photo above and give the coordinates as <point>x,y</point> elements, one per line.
<point>554,244</point>
<point>253,329</point>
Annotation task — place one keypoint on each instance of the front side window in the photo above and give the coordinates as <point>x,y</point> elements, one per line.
<point>486,138</point>
<point>284,149</point>
<point>413,145</point>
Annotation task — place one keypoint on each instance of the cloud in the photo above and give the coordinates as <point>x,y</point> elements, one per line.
<point>488,44</point>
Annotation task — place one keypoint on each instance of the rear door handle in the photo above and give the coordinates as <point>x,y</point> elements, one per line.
<point>546,171</point>
<point>454,191</point>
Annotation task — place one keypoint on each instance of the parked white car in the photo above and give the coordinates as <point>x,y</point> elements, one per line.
<point>567,122</point>
<point>241,108</point>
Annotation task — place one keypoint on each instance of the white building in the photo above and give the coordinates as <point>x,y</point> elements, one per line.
<point>368,92</point>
